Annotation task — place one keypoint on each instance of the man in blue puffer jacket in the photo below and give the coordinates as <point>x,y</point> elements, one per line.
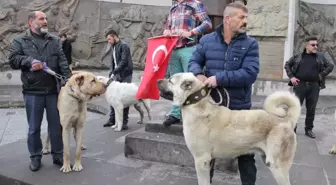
<point>231,61</point>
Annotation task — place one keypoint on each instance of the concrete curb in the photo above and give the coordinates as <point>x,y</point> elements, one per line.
<point>169,149</point>
<point>10,181</point>
<point>20,104</point>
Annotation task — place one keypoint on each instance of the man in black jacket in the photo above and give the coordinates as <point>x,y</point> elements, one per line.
<point>307,72</point>
<point>121,68</point>
<point>67,48</point>
<point>28,52</point>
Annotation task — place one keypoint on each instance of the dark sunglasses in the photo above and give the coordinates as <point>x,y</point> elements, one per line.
<point>314,45</point>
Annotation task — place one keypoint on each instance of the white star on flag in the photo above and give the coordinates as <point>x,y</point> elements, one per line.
<point>156,68</point>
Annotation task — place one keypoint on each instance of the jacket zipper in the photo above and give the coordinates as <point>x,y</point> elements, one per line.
<point>226,54</point>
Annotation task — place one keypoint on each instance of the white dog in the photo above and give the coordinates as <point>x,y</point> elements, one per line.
<point>122,95</point>
<point>213,131</point>
<point>333,149</point>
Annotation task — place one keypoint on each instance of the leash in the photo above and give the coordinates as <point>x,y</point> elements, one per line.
<point>46,69</point>
<point>111,79</point>
<point>221,97</point>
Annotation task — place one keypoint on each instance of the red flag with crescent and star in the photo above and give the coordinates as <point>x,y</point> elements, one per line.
<point>158,54</point>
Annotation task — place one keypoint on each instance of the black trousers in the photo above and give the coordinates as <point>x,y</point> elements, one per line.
<point>310,92</point>
<point>125,115</point>
<point>246,163</point>
<point>246,166</point>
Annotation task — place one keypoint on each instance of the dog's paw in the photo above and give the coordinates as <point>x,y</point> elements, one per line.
<point>117,129</point>
<point>139,122</point>
<point>114,126</point>
<point>333,150</point>
<point>77,167</point>
<point>66,168</point>
<point>83,147</point>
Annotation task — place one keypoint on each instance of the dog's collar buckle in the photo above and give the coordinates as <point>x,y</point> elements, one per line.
<point>197,96</point>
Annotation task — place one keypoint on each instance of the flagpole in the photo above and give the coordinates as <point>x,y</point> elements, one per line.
<point>160,36</point>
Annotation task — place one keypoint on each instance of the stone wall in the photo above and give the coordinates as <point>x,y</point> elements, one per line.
<point>268,22</point>
<point>268,18</point>
<point>85,22</point>
<point>319,20</point>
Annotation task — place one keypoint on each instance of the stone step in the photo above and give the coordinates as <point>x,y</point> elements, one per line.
<point>157,127</point>
<point>167,148</point>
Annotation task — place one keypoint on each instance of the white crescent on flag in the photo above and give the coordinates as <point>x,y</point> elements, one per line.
<point>164,49</point>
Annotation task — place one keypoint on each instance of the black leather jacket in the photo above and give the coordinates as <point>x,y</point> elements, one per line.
<point>23,51</point>
<point>324,66</point>
<point>124,61</point>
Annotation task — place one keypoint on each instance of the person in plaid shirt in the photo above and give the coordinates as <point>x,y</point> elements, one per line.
<point>187,19</point>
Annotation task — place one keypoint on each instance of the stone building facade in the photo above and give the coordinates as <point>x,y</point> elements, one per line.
<point>279,25</point>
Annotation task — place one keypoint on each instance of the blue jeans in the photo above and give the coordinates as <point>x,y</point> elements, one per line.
<point>35,105</point>
<point>178,63</point>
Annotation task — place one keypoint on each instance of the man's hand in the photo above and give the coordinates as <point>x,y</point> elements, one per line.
<point>167,33</point>
<point>202,78</point>
<point>295,81</point>
<point>185,34</point>
<point>211,82</point>
<point>36,65</point>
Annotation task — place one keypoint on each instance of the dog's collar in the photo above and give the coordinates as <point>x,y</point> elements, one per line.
<point>197,96</point>
<point>70,87</point>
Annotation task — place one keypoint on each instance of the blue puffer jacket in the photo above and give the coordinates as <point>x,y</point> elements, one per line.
<point>235,66</point>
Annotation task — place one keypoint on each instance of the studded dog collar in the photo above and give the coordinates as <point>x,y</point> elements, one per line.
<point>197,96</point>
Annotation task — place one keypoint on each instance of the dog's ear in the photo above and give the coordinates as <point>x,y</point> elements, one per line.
<point>80,80</point>
<point>186,85</point>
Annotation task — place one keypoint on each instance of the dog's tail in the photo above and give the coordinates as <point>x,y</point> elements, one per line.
<point>146,103</point>
<point>273,101</point>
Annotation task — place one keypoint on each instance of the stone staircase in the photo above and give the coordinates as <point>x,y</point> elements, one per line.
<point>167,145</point>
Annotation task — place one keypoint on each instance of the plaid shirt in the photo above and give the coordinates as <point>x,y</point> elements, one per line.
<point>186,16</point>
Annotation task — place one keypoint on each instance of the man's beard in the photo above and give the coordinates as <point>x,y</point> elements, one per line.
<point>41,29</point>
<point>242,29</point>
<point>44,30</point>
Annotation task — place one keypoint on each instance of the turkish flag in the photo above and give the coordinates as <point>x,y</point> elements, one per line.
<point>157,57</point>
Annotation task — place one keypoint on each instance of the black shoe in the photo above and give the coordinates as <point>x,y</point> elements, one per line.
<point>295,129</point>
<point>310,134</point>
<point>109,123</point>
<point>170,121</point>
<point>35,165</point>
<point>58,161</point>
<point>125,127</point>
